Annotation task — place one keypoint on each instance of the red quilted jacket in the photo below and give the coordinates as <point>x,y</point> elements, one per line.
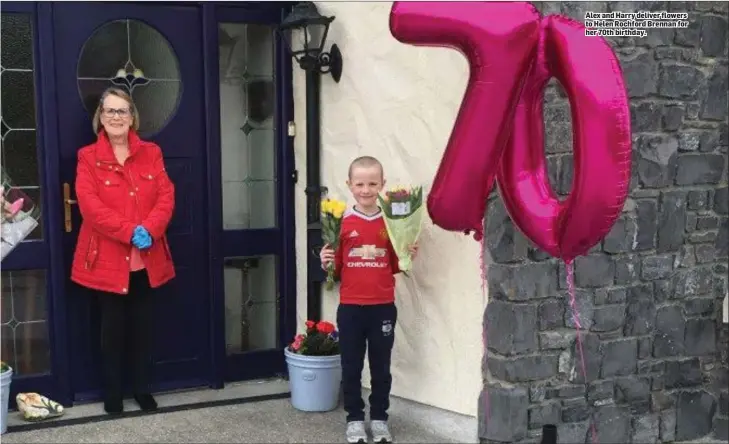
<point>113,200</point>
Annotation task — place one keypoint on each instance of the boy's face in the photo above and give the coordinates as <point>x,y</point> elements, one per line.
<point>365,183</point>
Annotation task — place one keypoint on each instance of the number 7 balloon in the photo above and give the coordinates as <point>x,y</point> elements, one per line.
<point>512,53</point>
<point>499,40</point>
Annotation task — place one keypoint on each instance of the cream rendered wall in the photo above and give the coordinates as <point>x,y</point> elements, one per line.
<point>398,103</point>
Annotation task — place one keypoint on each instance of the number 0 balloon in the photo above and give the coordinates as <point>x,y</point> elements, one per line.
<point>499,132</point>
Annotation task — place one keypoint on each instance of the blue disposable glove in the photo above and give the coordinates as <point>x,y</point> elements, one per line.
<point>141,238</point>
<point>137,240</point>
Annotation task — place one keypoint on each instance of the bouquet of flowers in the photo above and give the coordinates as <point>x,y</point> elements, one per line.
<point>331,225</point>
<point>19,215</point>
<point>403,208</point>
<point>321,339</point>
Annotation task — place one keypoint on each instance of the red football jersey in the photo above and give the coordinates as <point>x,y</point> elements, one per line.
<point>365,260</point>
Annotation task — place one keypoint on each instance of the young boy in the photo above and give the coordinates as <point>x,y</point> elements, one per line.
<point>366,264</point>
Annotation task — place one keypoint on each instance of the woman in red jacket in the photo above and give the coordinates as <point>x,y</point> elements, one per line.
<point>126,200</point>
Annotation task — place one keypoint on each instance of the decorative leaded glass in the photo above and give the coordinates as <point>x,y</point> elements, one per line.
<point>136,57</point>
<point>17,111</point>
<point>247,125</point>
<point>24,331</point>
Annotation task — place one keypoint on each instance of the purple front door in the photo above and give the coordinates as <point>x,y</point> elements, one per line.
<point>214,88</point>
<point>154,52</point>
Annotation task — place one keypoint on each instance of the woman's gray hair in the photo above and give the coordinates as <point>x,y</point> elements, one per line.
<point>118,92</point>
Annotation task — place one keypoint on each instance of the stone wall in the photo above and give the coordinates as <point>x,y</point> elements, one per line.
<point>649,295</point>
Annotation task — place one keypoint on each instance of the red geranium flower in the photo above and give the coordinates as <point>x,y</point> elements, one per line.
<point>320,339</point>
<point>325,327</point>
<point>298,341</point>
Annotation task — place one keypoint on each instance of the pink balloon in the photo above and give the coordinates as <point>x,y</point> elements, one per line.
<point>591,76</point>
<point>499,40</point>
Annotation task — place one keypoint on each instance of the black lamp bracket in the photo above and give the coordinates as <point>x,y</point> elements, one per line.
<point>331,62</point>
<point>327,62</point>
<point>314,191</point>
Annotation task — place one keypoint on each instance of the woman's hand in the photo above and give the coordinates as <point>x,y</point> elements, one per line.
<point>141,238</point>
<point>326,255</point>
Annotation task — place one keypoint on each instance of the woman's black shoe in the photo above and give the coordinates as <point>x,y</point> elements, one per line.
<point>113,406</point>
<point>146,402</point>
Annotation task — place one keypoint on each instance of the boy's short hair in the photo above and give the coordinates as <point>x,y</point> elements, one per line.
<point>365,161</point>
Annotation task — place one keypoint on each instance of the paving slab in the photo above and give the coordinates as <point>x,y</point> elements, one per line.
<point>239,420</point>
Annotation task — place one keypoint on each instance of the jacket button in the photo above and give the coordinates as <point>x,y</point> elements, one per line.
<point>150,176</point>
<point>98,164</point>
<point>124,290</point>
<point>131,193</point>
<point>127,258</point>
<point>107,182</point>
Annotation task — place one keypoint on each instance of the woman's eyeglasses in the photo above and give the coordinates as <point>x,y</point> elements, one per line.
<point>111,112</point>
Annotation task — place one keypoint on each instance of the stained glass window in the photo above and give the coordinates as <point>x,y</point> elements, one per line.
<point>247,125</point>
<point>136,57</point>
<point>17,111</point>
<point>24,339</point>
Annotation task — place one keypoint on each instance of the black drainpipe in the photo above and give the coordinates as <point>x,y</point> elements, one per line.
<point>314,192</point>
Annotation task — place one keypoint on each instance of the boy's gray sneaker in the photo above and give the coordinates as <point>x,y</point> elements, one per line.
<point>380,432</point>
<point>356,433</point>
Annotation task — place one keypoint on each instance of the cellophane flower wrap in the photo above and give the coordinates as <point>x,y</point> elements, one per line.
<point>403,210</point>
<point>19,215</point>
<point>332,212</point>
<point>321,339</point>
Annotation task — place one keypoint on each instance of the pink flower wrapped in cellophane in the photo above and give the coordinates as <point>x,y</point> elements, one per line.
<point>19,216</point>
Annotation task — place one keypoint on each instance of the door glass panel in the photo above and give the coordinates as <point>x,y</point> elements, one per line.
<point>247,126</point>
<point>17,115</point>
<point>251,304</point>
<point>136,57</point>
<point>264,193</point>
<point>25,344</point>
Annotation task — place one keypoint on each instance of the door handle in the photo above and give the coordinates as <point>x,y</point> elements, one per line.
<point>67,202</point>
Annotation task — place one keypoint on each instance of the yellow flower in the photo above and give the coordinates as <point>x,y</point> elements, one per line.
<point>333,207</point>
<point>338,208</point>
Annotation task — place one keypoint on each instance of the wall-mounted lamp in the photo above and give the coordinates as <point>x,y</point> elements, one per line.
<point>305,32</point>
